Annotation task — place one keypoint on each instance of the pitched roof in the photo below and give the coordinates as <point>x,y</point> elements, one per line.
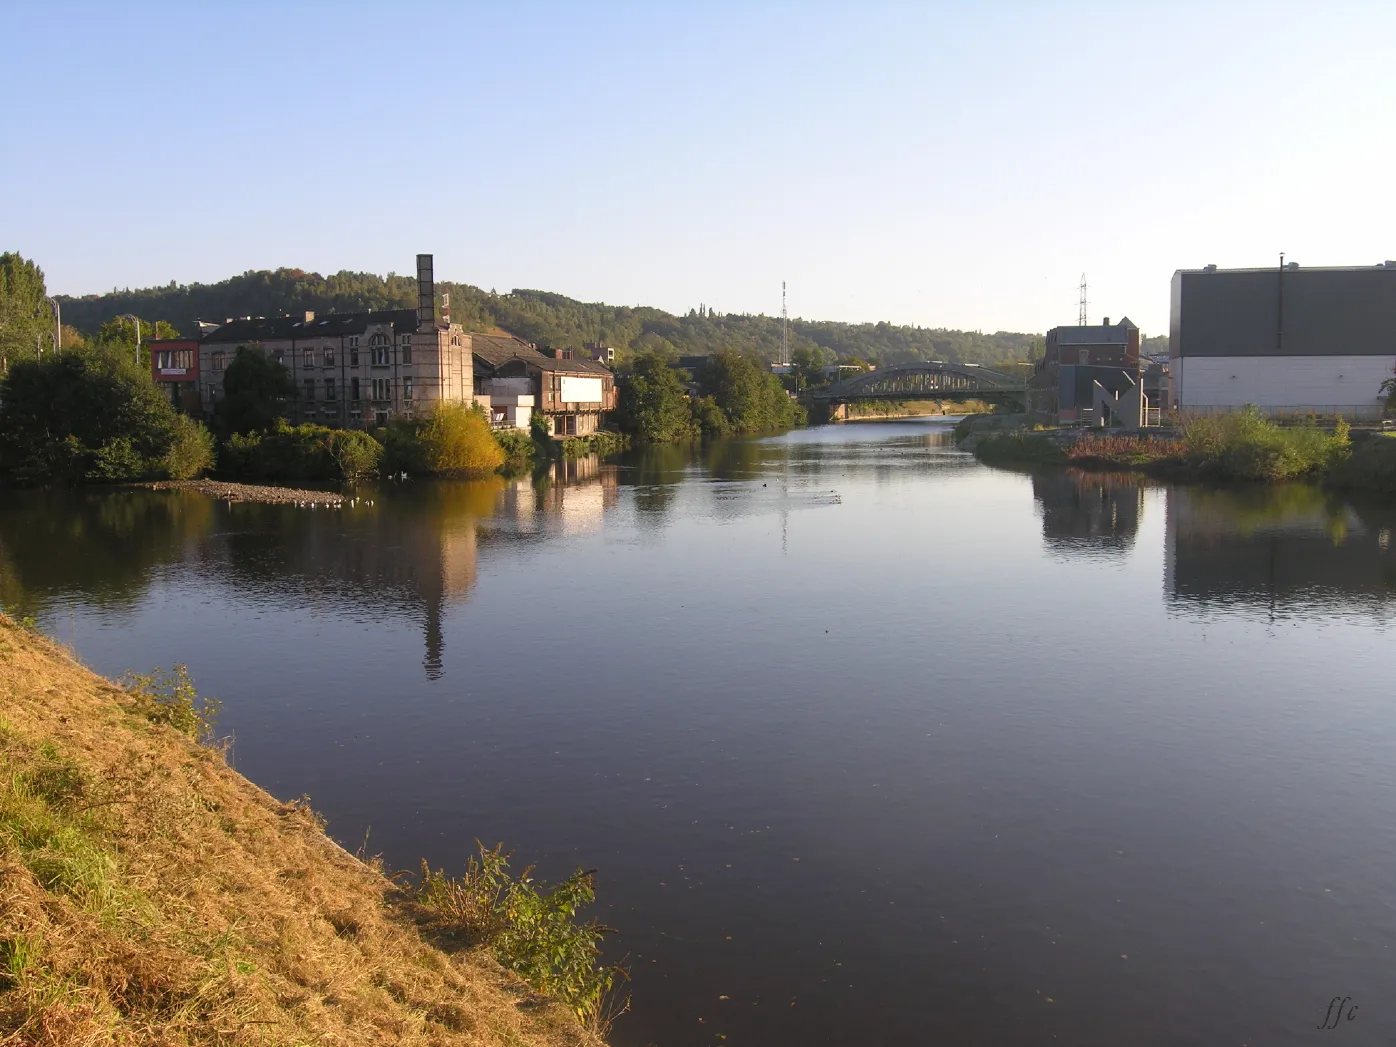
<point>497,349</point>
<point>277,328</point>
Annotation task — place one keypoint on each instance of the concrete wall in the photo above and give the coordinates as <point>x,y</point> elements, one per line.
<point>1348,385</point>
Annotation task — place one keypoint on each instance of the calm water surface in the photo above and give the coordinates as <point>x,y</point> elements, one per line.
<point>871,743</point>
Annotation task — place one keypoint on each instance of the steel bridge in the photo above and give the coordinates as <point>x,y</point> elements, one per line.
<point>931,380</point>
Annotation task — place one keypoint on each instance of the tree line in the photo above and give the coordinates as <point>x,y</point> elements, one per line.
<point>548,319</point>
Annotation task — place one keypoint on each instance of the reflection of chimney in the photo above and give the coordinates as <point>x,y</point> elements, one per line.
<point>426,292</point>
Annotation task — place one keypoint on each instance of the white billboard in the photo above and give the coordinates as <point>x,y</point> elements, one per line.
<point>581,390</point>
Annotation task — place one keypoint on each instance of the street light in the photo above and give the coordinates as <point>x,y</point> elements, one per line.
<point>57,325</point>
<point>137,321</point>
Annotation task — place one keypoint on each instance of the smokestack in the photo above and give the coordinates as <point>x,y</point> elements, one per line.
<point>1105,322</point>
<point>426,293</point>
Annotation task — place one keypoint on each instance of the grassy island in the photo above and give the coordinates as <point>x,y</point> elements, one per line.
<point>149,894</point>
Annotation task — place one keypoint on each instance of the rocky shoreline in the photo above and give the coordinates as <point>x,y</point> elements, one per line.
<point>234,492</point>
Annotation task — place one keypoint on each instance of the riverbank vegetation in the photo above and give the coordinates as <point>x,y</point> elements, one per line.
<point>153,895</point>
<point>1240,446</point>
<point>87,415</point>
<point>730,394</point>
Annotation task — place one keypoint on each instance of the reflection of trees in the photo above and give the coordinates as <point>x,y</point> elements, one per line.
<point>1277,547</point>
<point>101,545</point>
<point>655,473</point>
<point>1088,513</point>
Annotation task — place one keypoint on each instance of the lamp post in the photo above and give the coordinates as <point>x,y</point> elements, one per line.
<point>137,321</point>
<point>57,324</point>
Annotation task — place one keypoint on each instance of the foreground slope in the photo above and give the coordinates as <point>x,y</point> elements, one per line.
<point>151,895</point>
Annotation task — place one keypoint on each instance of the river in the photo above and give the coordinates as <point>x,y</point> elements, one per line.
<point>871,743</point>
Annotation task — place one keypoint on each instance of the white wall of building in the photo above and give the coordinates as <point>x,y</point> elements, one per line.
<point>1348,385</point>
<point>577,390</point>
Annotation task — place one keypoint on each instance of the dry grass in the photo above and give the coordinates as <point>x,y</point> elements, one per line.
<point>151,895</point>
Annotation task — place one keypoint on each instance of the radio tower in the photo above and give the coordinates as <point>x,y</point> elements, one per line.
<point>1081,316</point>
<point>784,329</point>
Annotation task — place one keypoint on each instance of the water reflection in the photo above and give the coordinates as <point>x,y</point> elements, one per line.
<point>1085,514</point>
<point>1288,549</point>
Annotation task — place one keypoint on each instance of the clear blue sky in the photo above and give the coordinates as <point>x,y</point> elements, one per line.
<point>950,165</point>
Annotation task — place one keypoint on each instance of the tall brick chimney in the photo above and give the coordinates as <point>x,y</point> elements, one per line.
<point>426,293</point>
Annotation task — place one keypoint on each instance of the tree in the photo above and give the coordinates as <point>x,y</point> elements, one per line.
<point>256,390</point>
<point>26,319</point>
<point>118,335</point>
<point>752,399</point>
<point>653,404</point>
<point>84,415</point>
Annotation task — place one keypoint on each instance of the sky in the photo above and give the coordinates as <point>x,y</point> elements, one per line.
<point>947,165</point>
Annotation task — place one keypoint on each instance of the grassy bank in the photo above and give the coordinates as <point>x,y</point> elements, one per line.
<point>1243,446</point>
<point>151,895</point>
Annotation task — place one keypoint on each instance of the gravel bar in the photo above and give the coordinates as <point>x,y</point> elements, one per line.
<point>229,492</point>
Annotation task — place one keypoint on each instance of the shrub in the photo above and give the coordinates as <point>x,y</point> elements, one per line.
<point>83,415</point>
<point>356,455</point>
<point>191,450</point>
<point>301,453</point>
<point>1245,445</point>
<point>530,927</point>
<point>453,440</point>
<point>1370,467</point>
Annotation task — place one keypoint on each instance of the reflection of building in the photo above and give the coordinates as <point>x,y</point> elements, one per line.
<point>572,392</point>
<point>1285,339</point>
<point>353,369</point>
<point>1090,373</point>
<point>1276,547</point>
<point>1085,514</point>
<point>572,499</point>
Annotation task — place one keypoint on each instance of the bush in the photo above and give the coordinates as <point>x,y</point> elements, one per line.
<point>1370,467</point>
<point>85,415</point>
<point>191,452</point>
<point>301,453</point>
<point>453,440</point>
<point>1245,445</point>
<point>530,927</point>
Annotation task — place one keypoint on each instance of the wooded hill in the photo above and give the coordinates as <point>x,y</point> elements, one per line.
<point>545,318</point>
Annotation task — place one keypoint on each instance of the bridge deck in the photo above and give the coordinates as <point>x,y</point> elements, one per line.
<point>933,381</point>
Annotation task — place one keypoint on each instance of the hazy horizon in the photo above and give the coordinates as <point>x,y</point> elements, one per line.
<point>936,165</point>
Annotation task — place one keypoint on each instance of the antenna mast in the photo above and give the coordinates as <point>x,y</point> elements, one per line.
<point>1081,316</point>
<point>784,329</point>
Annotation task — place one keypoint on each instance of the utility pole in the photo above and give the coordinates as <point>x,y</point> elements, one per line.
<point>784,329</point>
<point>1081,314</point>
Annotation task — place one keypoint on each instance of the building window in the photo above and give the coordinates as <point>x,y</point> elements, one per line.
<point>280,357</point>
<point>407,348</point>
<point>382,388</point>
<point>309,358</point>
<point>353,354</point>
<point>310,390</point>
<point>354,389</point>
<point>407,387</point>
<point>329,388</point>
<point>379,347</point>
<point>329,357</point>
<point>353,341</point>
<point>218,361</point>
<point>380,418</point>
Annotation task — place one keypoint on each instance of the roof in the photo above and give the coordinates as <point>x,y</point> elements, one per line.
<point>1115,334</point>
<point>1295,267</point>
<point>497,350</point>
<point>279,328</point>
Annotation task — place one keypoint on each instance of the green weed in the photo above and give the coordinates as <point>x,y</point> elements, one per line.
<point>530,927</point>
<point>170,697</point>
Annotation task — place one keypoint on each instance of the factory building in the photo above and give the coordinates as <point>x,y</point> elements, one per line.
<point>1290,340</point>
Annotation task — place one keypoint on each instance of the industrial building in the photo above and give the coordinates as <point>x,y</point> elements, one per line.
<point>1288,339</point>
<point>573,393</point>
<point>1090,374</point>
<point>352,370</point>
